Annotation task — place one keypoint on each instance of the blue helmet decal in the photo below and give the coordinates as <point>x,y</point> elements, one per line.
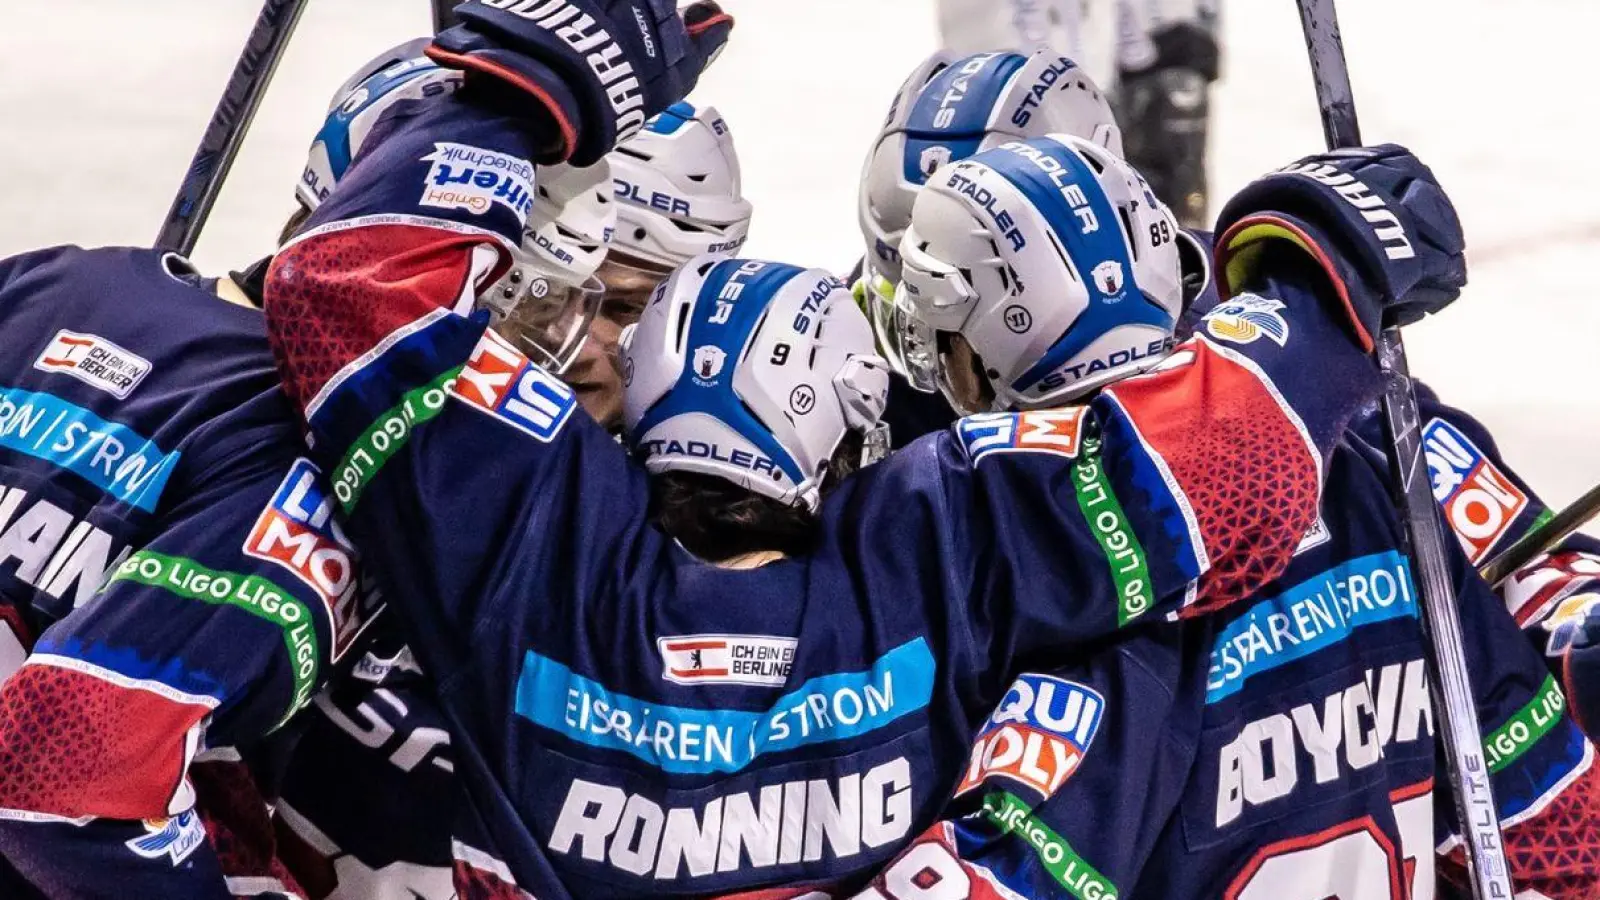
<point>335,133</point>
<point>718,334</point>
<point>959,100</point>
<point>1066,192</point>
<point>674,117</point>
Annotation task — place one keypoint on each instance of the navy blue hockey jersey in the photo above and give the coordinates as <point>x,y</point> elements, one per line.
<point>1281,748</point>
<point>161,528</point>
<point>629,719</point>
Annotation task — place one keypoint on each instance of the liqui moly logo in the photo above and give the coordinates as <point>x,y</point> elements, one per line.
<point>1479,501</point>
<point>298,531</point>
<point>1037,736</point>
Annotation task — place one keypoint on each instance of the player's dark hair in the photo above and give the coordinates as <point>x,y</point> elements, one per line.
<point>715,519</point>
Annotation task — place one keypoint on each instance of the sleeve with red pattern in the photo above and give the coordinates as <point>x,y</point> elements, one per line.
<point>211,635</point>
<point>1175,491</point>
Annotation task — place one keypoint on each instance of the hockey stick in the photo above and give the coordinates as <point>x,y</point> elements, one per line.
<point>229,122</point>
<point>444,14</point>
<point>1542,538</point>
<point>1452,690</point>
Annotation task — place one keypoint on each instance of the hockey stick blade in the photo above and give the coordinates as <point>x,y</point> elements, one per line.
<point>1541,539</point>
<point>229,122</point>
<point>1452,690</point>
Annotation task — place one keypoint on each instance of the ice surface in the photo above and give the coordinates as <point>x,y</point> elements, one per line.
<point>102,102</point>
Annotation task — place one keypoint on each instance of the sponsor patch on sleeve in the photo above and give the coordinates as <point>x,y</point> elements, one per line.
<point>175,838</point>
<point>475,179</point>
<point>1479,501</point>
<point>298,531</point>
<point>727,659</point>
<point>500,381</point>
<point>94,361</point>
<point>1037,736</point>
<point>1246,319</point>
<point>1057,431</point>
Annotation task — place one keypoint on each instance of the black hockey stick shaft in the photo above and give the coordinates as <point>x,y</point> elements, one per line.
<point>229,122</point>
<point>444,14</point>
<point>1540,539</point>
<point>1452,688</point>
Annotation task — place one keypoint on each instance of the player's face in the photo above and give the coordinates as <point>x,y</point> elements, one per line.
<point>596,375</point>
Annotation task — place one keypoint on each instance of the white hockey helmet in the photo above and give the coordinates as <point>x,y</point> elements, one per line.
<point>751,371</point>
<point>547,299</point>
<point>678,185</point>
<point>948,109</point>
<point>1054,261</point>
<point>399,73</point>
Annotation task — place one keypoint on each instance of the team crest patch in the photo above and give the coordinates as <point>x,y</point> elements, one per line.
<point>1247,318</point>
<point>474,179</point>
<point>94,361</point>
<point>932,158</point>
<point>1057,431</point>
<point>501,382</point>
<point>298,531</point>
<point>708,362</point>
<point>1037,736</point>
<point>1479,501</point>
<point>1108,278</point>
<point>175,838</point>
<point>727,658</point>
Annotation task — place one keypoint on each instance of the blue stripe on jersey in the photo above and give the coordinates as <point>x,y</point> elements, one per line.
<point>112,457</point>
<point>692,740</point>
<point>715,396</point>
<point>1317,613</point>
<point>1091,234</point>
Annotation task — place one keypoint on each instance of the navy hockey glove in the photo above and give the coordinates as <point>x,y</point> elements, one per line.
<point>601,67</point>
<point>1374,219</point>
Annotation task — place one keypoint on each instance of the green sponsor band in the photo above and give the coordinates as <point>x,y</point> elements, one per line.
<point>1505,744</point>
<point>385,436</point>
<point>255,595</point>
<point>1124,554</point>
<point>1080,879</point>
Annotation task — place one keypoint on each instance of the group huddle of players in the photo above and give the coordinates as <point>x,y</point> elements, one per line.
<point>533,543</point>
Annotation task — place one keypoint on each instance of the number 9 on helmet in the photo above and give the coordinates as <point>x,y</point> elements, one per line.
<point>751,371</point>
<point>1052,260</point>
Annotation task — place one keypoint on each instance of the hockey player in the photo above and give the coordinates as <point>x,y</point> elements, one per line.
<point>167,555</point>
<point>1280,748</point>
<point>1487,504</point>
<point>1158,59</point>
<point>633,719</point>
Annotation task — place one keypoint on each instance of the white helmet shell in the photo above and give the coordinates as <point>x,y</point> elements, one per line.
<point>751,371</point>
<point>951,108</point>
<point>678,188</point>
<point>400,73</point>
<point>1055,262</point>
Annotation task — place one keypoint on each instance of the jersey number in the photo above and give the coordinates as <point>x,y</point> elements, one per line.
<point>1352,861</point>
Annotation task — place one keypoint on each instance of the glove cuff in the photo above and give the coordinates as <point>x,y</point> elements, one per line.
<point>1239,249</point>
<point>533,79</point>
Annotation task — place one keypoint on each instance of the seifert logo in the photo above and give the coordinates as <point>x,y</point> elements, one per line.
<point>1390,233</point>
<point>599,50</point>
<point>475,179</point>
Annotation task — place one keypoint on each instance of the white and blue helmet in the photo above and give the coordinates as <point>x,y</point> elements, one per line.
<point>546,300</point>
<point>1054,261</point>
<point>948,109</point>
<point>678,189</point>
<point>751,371</point>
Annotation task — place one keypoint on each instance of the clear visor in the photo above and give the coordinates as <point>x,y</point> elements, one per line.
<point>891,326</point>
<point>916,344</point>
<point>547,319</point>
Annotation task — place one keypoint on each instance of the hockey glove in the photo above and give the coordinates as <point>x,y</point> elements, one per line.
<point>1374,219</point>
<point>600,67</point>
